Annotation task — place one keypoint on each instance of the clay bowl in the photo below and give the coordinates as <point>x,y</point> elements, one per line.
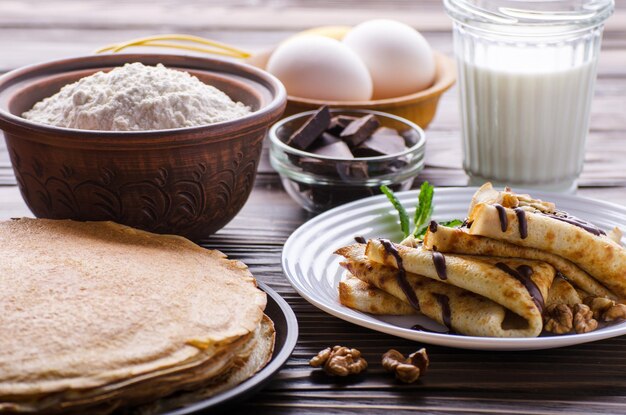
<point>419,107</point>
<point>187,181</point>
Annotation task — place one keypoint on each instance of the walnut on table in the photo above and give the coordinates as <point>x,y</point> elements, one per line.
<point>339,361</point>
<point>407,370</point>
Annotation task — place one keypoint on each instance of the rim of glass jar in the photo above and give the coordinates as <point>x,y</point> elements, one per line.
<point>553,23</point>
<point>416,148</point>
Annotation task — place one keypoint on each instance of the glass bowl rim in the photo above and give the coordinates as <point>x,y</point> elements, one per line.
<point>416,148</point>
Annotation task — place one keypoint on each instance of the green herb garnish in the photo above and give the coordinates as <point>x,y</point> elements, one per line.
<point>424,209</point>
<point>404,217</point>
<point>454,223</point>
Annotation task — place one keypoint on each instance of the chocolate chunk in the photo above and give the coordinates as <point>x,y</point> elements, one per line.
<point>380,144</point>
<point>316,166</point>
<point>324,140</point>
<point>338,149</point>
<point>311,129</point>
<point>339,122</point>
<point>386,131</point>
<point>359,170</point>
<point>359,130</point>
<point>328,168</point>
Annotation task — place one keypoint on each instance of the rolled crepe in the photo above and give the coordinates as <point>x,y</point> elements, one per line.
<point>589,248</point>
<point>468,313</point>
<point>504,281</point>
<point>562,292</point>
<point>364,297</point>
<point>459,241</point>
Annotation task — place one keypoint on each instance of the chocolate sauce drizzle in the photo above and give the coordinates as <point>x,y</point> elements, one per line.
<point>446,314</point>
<point>440,264</point>
<point>360,239</point>
<point>504,221</point>
<point>433,226</point>
<point>522,222</point>
<point>561,276</point>
<point>522,274</point>
<point>418,327</point>
<point>572,220</point>
<point>401,274</point>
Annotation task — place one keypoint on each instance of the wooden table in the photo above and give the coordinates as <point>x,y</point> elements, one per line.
<point>585,379</point>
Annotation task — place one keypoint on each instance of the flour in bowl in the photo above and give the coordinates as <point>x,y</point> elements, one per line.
<point>136,97</point>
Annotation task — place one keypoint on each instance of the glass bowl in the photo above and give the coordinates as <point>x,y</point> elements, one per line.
<point>319,183</point>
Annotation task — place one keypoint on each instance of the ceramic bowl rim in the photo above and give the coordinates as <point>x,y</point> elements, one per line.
<point>251,121</point>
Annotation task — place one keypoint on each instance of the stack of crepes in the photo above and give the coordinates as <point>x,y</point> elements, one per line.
<point>98,317</point>
<point>495,275</point>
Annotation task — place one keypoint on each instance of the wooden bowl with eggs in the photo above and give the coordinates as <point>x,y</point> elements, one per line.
<point>419,107</point>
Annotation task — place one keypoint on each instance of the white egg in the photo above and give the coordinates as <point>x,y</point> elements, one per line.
<point>317,67</point>
<point>399,59</point>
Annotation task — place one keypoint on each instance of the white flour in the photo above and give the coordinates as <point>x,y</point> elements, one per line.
<point>136,97</point>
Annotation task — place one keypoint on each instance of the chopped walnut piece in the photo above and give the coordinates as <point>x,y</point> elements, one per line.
<point>605,309</point>
<point>507,198</point>
<point>525,200</point>
<point>391,359</point>
<point>321,358</point>
<point>558,319</point>
<point>616,312</point>
<point>583,319</point>
<point>419,359</point>
<point>339,361</point>
<point>599,305</point>
<point>407,370</point>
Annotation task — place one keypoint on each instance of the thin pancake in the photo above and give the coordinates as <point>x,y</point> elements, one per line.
<point>459,241</point>
<point>247,363</point>
<point>365,297</point>
<point>96,307</point>
<point>598,255</point>
<point>470,313</point>
<point>493,278</point>
<point>562,292</point>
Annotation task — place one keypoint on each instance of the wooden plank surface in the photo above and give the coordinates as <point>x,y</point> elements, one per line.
<point>585,379</point>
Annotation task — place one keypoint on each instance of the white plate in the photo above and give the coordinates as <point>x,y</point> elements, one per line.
<point>314,271</point>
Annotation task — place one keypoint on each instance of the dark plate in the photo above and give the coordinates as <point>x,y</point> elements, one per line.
<point>286,326</point>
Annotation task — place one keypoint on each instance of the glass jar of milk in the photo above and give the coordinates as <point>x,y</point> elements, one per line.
<point>526,75</point>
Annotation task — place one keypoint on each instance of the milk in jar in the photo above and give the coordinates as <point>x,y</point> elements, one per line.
<point>526,80</point>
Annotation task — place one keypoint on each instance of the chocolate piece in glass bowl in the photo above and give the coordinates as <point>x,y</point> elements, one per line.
<point>304,136</point>
<point>384,141</point>
<point>325,175</point>
<point>339,122</point>
<point>359,130</point>
<point>324,140</point>
<point>338,149</point>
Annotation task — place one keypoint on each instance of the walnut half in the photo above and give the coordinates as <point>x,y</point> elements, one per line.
<point>616,312</point>
<point>407,370</point>
<point>558,319</point>
<point>583,319</point>
<point>605,309</point>
<point>339,361</point>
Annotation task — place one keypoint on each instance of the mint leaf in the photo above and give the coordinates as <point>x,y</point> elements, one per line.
<point>424,209</point>
<point>454,223</point>
<point>404,217</point>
